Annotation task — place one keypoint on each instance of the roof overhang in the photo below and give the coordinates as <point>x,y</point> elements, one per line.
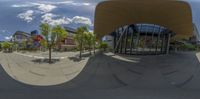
<point>22,33</point>
<point>174,15</point>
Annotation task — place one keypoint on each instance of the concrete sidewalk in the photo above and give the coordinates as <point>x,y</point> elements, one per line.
<point>109,76</point>
<point>34,71</point>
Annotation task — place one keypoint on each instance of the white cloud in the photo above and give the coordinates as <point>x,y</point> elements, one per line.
<point>8,37</point>
<point>22,5</point>
<point>53,19</point>
<point>82,20</point>
<point>78,4</point>
<point>26,16</point>
<point>48,5</point>
<point>69,2</point>
<point>45,8</point>
<point>5,35</point>
<point>3,31</point>
<point>86,4</point>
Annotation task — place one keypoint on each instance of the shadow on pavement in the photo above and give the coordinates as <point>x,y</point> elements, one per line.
<point>101,72</point>
<point>76,58</point>
<point>44,61</point>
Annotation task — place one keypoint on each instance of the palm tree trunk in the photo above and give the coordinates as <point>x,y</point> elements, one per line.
<point>90,50</point>
<point>80,56</point>
<point>50,54</point>
<point>94,49</point>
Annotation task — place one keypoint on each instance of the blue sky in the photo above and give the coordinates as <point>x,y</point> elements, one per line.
<point>26,15</point>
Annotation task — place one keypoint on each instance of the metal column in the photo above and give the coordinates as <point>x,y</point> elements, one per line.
<point>126,39</point>
<point>122,41</point>
<point>152,47</point>
<point>145,39</point>
<point>163,43</point>
<point>131,46</point>
<point>119,40</point>
<point>157,42</point>
<point>168,43</point>
<point>138,38</point>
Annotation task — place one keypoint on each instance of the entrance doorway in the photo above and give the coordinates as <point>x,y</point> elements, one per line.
<point>142,39</point>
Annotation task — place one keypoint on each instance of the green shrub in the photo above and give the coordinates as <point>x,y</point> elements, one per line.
<point>7,46</point>
<point>103,45</point>
<point>187,47</point>
<point>0,46</point>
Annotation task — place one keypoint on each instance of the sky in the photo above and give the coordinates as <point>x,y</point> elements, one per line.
<point>27,15</point>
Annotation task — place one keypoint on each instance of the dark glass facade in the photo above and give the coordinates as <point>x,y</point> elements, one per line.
<point>142,39</point>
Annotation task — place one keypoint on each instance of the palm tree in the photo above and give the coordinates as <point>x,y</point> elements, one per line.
<point>90,40</point>
<point>0,46</point>
<point>52,36</point>
<point>7,46</point>
<point>60,34</point>
<point>79,37</point>
<point>104,46</point>
<point>94,42</point>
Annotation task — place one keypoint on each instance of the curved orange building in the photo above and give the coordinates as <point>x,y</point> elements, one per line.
<point>174,15</point>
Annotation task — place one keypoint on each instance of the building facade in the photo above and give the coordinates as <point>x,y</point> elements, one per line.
<point>21,39</point>
<point>68,43</point>
<point>196,38</point>
<point>143,29</point>
<point>25,40</point>
<point>32,40</point>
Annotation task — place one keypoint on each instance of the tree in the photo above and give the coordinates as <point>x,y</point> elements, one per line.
<point>79,37</point>
<point>7,46</point>
<point>0,46</point>
<point>43,44</point>
<point>60,34</point>
<point>94,42</point>
<point>52,36</point>
<point>87,38</point>
<point>103,45</point>
<point>90,40</point>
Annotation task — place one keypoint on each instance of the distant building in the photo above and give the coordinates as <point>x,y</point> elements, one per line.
<point>2,41</point>
<point>69,43</point>
<point>32,40</point>
<point>20,38</point>
<point>34,33</point>
<point>36,38</point>
<point>70,31</point>
<point>196,36</point>
<point>109,40</point>
<point>27,40</point>
<point>1,45</point>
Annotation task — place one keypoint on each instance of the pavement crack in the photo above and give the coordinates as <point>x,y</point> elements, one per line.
<point>170,72</point>
<point>185,82</point>
<point>36,73</point>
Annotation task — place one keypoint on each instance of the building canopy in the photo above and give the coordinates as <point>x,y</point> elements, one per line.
<point>171,14</point>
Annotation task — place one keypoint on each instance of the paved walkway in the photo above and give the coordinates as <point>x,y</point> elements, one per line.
<point>34,70</point>
<point>108,76</point>
<point>45,55</point>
